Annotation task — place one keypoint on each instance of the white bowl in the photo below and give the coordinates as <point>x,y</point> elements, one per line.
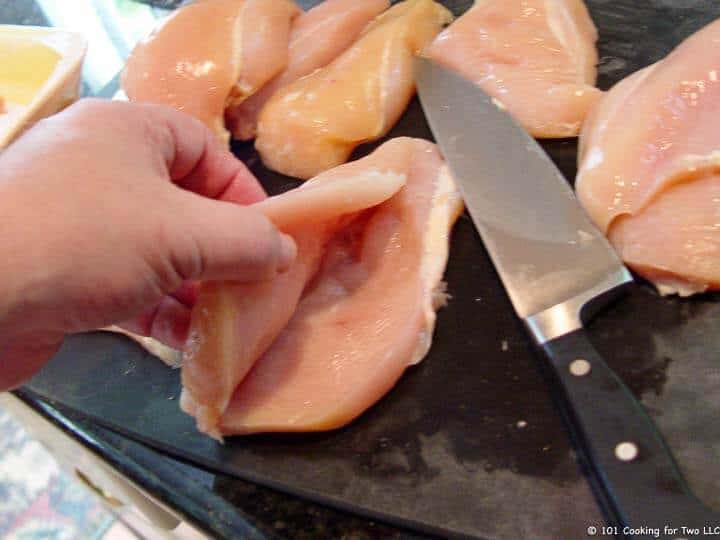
<point>60,88</point>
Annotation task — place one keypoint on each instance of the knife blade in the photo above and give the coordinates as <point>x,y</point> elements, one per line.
<point>557,268</point>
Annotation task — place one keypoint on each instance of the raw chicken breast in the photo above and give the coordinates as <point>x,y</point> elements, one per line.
<point>327,196</point>
<point>234,323</point>
<point>675,241</point>
<point>315,123</point>
<point>648,167</point>
<point>368,315</point>
<point>210,54</point>
<point>535,57</point>
<point>317,38</point>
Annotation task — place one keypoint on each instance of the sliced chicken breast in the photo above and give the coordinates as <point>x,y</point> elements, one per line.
<point>234,323</point>
<point>367,316</point>
<point>535,57</point>
<point>675,241</point>
<point>210,54</point>
<point>317,38</point>
<point>648,166</point>
<point>315,123</point>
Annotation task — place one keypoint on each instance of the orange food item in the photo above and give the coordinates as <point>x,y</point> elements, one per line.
<point>234,323</point>
<point>536,57</point>
<point>210,54</point>
<point>649,167</point>
<point>317,38</point>
<point>675,241</point>
<point>368,314</point>
<point>314,124</point>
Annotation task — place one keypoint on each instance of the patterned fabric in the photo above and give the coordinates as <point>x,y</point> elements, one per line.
<point>39,501</point>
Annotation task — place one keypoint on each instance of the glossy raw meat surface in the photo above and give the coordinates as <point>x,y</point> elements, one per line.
<point>264,33</point>
<point>645,146</point>
<point>234,323</point>
<point>536,57</point>
<point>315,123</point>
<point>369,314</point>
<point>209,54</point>
<point>675,241</point>
<point>347,190</point>
<point>318,37</point>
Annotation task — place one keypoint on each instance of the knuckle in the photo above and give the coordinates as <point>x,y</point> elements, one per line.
<point>270,239</point>
<point>88,108</point>
<point>262,245</point>
<point>90,114</point>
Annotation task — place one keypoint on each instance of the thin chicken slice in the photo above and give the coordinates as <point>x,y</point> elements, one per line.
<point>327,196</point>
<point>675,241</point>
<point>645,146</point>
<point>234,323</point>
<point>211,54</point>
<point>368,315</point>
<point>535,57</point>
<point>315,123</point>
<point>317,38</point>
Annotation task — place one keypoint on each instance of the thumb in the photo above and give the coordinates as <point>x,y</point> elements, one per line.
<point>226,241</point>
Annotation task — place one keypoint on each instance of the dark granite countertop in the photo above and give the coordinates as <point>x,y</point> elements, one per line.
<point>223,506</point>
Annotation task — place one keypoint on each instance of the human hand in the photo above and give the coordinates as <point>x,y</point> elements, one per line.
<point>107,215</point>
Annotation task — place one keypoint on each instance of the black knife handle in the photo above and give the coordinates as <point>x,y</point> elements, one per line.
<point>609,425</point>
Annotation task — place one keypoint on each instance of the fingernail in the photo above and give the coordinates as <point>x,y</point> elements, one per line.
<point>288,252</point>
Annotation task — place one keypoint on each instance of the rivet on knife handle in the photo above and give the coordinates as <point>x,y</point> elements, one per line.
<point>621,446</point>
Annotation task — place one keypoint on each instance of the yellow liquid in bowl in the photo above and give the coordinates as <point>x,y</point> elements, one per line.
<point>25,66</point>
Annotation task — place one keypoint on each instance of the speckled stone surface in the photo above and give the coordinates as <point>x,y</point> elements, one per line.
<point>223,506</point>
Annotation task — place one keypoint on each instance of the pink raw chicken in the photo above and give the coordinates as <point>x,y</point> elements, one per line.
<point>650,166</point>
<point>315,123</point>
<point>367,316</point>
<point>211,54</point>
<point>317,38</point>
<point>535,57</point>
<point>234,323</point>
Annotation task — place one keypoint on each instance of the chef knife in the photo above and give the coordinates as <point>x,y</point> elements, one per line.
<point>557,269</point>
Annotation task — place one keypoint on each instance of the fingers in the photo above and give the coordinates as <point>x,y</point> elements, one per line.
<point>223,241</point>
<point>168,322</point>
<point>198,162</point>
<point>187,293</point>
<point>157,136</point>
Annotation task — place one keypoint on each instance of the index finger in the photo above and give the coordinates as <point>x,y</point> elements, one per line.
<point>199,162</point>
